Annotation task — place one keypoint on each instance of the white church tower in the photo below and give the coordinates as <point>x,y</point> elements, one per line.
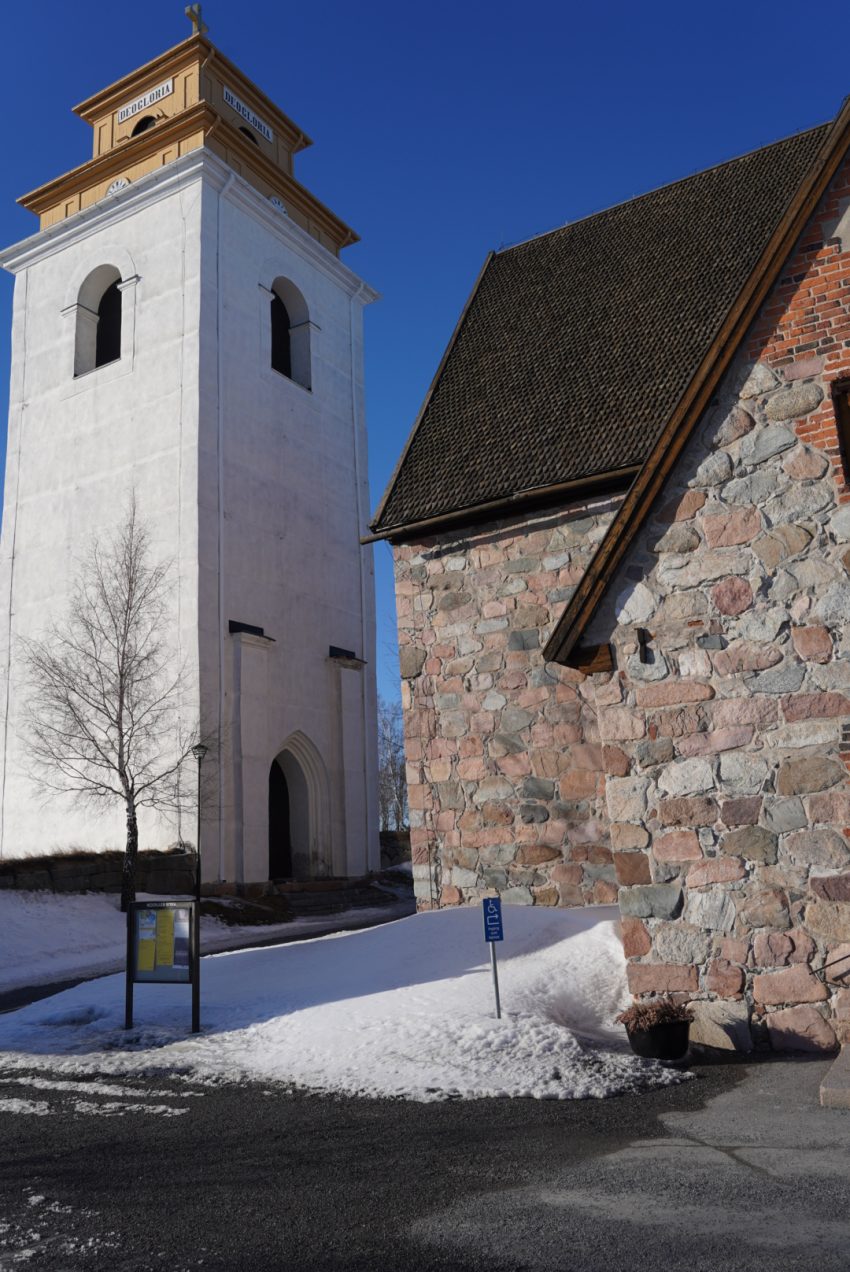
<point>185,329</point>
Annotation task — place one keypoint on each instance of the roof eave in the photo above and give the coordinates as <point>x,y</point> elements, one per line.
<point>673,437</point>
<point>580,487</point>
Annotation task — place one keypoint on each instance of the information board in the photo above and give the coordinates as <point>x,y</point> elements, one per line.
<point>161,941</point>
<point>163,947</point>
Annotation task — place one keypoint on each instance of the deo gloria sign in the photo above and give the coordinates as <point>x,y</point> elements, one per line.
<point>259,125</point>
<point>149,99</point>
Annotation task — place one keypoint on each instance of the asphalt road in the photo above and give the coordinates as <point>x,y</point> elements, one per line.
<point>733,1171</point>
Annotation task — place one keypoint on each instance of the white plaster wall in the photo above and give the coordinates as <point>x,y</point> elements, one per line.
<point>283,501</point>
<point>254,486</point>
<point>76,450</point>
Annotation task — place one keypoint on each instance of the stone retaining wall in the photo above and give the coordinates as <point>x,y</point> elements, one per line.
<point>165,872</point>
<point>505,767</point>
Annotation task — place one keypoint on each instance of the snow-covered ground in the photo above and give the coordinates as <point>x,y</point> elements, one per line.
<point>47,937</point>
<point>405,1009</point>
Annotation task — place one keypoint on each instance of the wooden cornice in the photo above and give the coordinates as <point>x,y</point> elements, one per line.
<point>176,58</point>
<point>113,162</point>
<point>290,188</point>
<point>294,133</point>
<point>535,497</point>
<point>191,51</point>
<point>171,129</point>
<point>672,439</point>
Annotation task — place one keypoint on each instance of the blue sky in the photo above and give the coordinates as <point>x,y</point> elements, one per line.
<point>441,131</point>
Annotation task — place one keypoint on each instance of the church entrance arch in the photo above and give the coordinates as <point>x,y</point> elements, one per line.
<point>280,833</point>
<point>298,812</point>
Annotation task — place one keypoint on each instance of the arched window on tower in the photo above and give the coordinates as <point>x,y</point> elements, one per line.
<point>146,122</point>
<point>108,341</point>
<point>290,333</point>
<point>281,345</point>
<point>98,335</point>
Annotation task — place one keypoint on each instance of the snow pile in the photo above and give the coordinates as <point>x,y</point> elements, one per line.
<point>47,937</point>
<point>40,1108</point>
<point>405,1009</point>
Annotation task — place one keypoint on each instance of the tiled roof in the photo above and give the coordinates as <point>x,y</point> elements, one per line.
<point>577,345</point>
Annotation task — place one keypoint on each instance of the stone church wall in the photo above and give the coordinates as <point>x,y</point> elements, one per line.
<point>504,760</point>
<point>731,814</point>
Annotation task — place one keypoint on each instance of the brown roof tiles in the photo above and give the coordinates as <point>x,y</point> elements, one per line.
<point>576,346</point>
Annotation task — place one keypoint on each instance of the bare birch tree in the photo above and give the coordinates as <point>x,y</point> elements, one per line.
<point>392,783</point>
<point>105,690</point>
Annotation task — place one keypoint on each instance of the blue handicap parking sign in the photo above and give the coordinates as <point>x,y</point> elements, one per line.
<point>493,919</point>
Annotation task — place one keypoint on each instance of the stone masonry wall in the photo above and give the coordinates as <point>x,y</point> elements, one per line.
<point>161,872</point>
<point>730,828</point>
<point>504,761</point>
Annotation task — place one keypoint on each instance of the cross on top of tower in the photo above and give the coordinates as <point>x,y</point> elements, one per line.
<point>193,13</point>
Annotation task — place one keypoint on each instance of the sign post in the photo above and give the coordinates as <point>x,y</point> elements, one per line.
<point>162,948</point>
<point>493,933</point>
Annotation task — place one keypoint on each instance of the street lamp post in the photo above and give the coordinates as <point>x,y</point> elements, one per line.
<point>199,751</point>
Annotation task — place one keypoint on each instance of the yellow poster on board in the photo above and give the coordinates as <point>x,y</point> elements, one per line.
<point>146,960</point>
<point>165,938</point>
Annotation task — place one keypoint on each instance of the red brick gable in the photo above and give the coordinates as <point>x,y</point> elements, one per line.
<point>805,323</point>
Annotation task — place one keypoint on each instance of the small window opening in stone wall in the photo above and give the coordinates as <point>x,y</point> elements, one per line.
<point>841,406</point>
<point>249,134</point>
<point>146,122</point>
<point>290,333</point>
<point>98,328</point>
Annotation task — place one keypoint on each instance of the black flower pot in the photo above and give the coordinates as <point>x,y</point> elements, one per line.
<point>660,1042</point>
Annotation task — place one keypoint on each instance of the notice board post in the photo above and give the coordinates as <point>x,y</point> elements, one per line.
<point>162,948</point>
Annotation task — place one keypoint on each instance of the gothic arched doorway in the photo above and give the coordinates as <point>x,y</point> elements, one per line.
<point>280,836</point>
<point>298,820</point>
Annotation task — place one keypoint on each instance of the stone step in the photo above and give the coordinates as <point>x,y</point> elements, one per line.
<point>835,1088</point>
<point>334,902</point>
